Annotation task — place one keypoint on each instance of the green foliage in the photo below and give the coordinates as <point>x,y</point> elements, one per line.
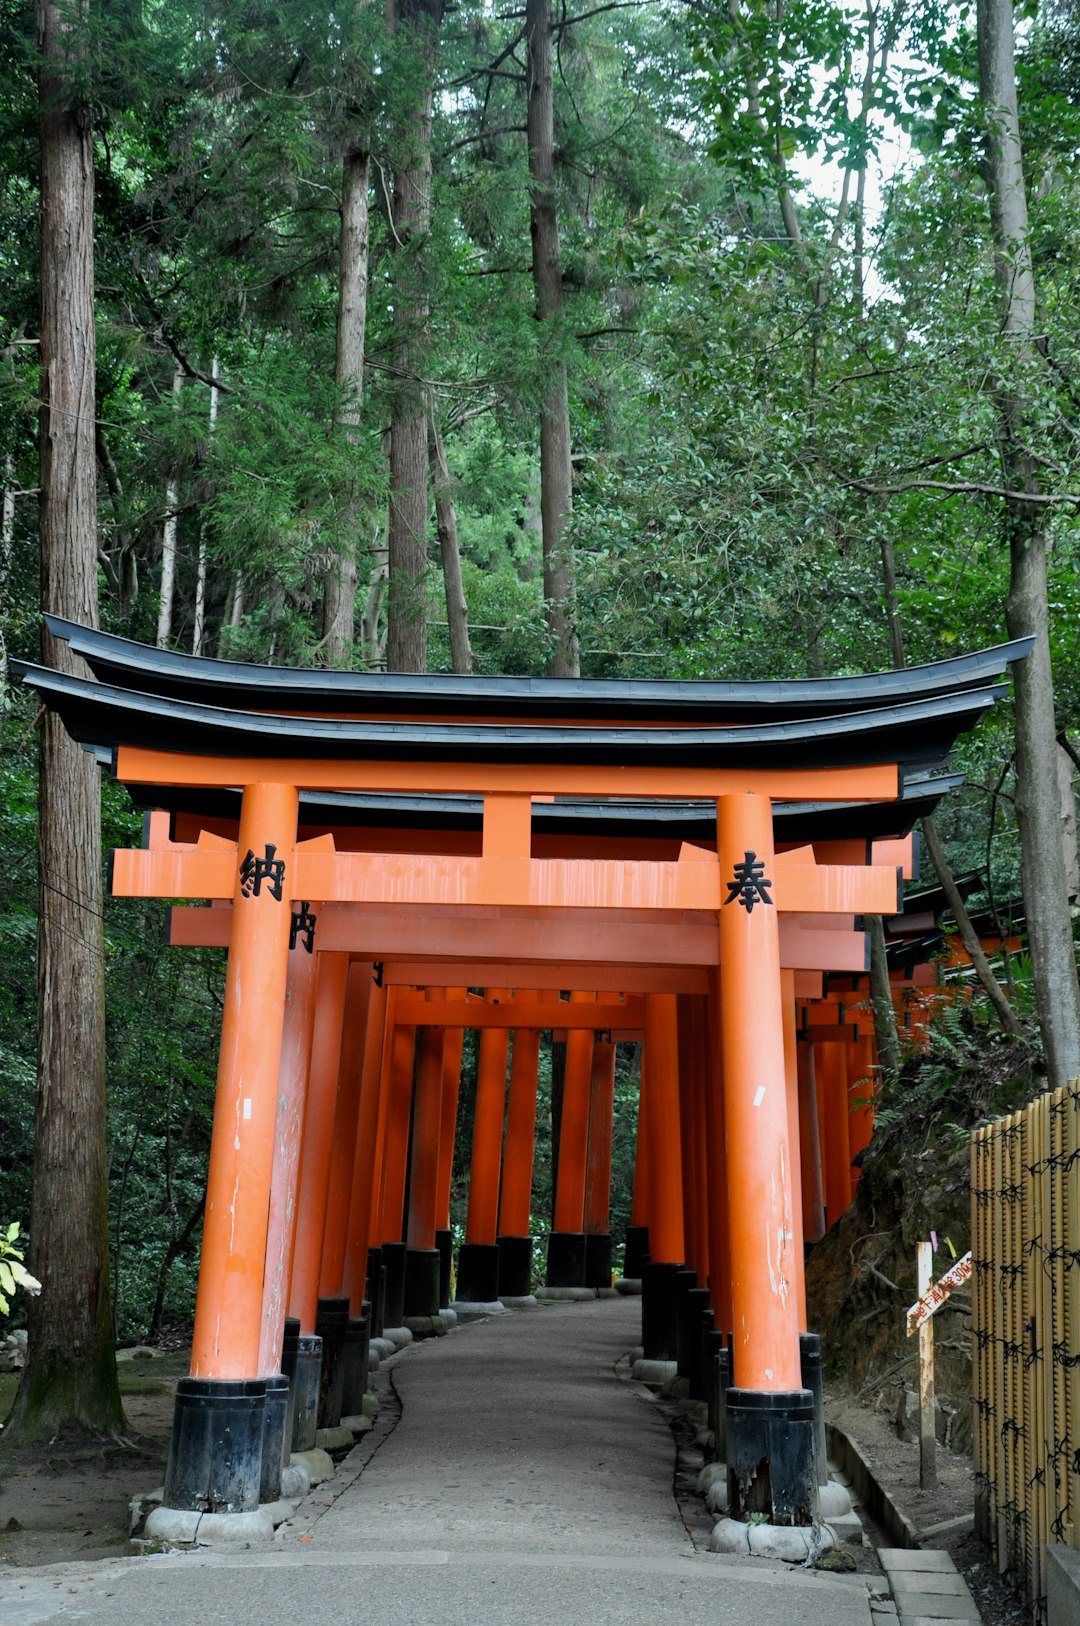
<point>13,1273</point>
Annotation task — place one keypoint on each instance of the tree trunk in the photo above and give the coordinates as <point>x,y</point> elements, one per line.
<point>69,1381</point>
<point>199,629</point>
<point>1053,960</point>
<point>339,585</point>
<point>168,543</point>
<point>233,614</point>
<point>881,1003</point>
<point>1068,822</point>
<point>457,611</point>
<point>996,994</point>
<point>555,469</point>
<point>406,637</point>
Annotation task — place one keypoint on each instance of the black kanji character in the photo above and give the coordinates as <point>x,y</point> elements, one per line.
<point>750,883</point>
<point>254,871</point>
<point>302,928</point>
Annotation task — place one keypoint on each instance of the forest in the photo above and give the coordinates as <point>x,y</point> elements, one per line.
<point>643,338</point>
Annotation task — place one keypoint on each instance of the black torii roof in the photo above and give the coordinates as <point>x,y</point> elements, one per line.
<point>126,665</point>
<point>918,733</point>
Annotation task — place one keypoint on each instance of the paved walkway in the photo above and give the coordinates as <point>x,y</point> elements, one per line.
<point>525,1484</point>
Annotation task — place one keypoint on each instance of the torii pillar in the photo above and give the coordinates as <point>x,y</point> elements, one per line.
<point>770,1416</point>
<point>215,1456</point>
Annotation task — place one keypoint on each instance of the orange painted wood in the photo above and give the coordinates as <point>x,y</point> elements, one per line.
<point>601,1125</point>
<point>719,1232</point>
<point>358,1235</point>
<point>813,1194</point>
<point>482,1217</point>
<point>562,938</point>
<point>426,1135</point>
<point>687,1135</point>
<point>453,1045</point>
<point>538,977</point>
<point>791,1074</point>
<point>639,1205</point>
<point>385,1072</point>
<point>569,1210</point>
<point>759,1162</point>
<point>663,1137</point>
<point>343,1153</point>
<point>297,1029</point>
<point>228,1311</point>
<point>700,1040</point>
<point>819,1091</point>
<point>139,766</point>
<point>396,1153</point>
<point>831,1063</point>
<point>515,1198</point>
<point>543,1014</point>
<point>544,883</point>
<point>318,1137</point>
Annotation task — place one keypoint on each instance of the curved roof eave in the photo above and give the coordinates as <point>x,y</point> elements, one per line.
<point>123,663</point>
<point>918,733</point>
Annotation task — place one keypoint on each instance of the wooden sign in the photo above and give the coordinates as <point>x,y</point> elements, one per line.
<point>931,1302</point>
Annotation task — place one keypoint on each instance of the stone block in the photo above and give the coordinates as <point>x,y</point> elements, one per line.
<point>172,1524</point>
<point>235,1532</point>
<point>896,1559</point>
<point>654,1373</point>
<point>1062,1586</point>
<point>939,1581</point>
<point>295,1481</point>
<point>333,1439</point>
<point>934,1606</point>
<point>319,1466</point>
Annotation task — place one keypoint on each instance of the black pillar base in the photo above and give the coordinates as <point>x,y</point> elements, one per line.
<point>478,1272</point>
<point>289,1343</point>
<point>565,1259</point>
<point>598,1252</point>
<point>693,1307</point>
<point>635,1251</point>
<point>393,1258</point>
<point>717,1381</point>
<point>275,1418</point>
<point>215,1455</point>
<point>444,1241</point>
<point>375,1294</point>
<point>659,1337</point>
<point>810,1372</point>
<point>515,1266</point>
<point>331,1324</point>
<point>423,1268</point>
<point>770,1455</point>
<point>354,1365</point>
<point>685,1282</point>
<point>306,1381</point>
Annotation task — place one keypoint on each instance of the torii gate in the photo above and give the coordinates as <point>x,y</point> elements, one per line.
<point>407,737</point>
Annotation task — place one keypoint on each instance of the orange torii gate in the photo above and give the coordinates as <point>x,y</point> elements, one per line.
<point>511,743</point>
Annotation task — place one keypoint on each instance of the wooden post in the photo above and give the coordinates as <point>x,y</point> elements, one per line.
<point>515,1201</point>
<point>228,1310</point>
<point>364,1152</point>
<point>482,1218</point>
<point>318,1137</point>
<point>284,1184</point>
<point>574,1127</point>
<point>662,1130</point>
<point>343,1153</point>
<point>760,1217</point>
<point>927,1433</point>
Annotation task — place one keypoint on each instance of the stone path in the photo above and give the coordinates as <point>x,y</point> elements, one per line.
<point>927,1587</point>
<point>525,1484</point>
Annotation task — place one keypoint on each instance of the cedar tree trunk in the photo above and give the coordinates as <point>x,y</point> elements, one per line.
<point>555,469</point>
<point>339,586</point>
<point>69,1382</point>
<point>406,636</point>
<point>1042,859</point>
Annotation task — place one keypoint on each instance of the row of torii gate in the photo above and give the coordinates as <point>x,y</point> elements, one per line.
<point>391,860</point>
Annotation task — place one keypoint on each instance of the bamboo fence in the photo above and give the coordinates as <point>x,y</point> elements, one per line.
<point>1025,1200</point>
